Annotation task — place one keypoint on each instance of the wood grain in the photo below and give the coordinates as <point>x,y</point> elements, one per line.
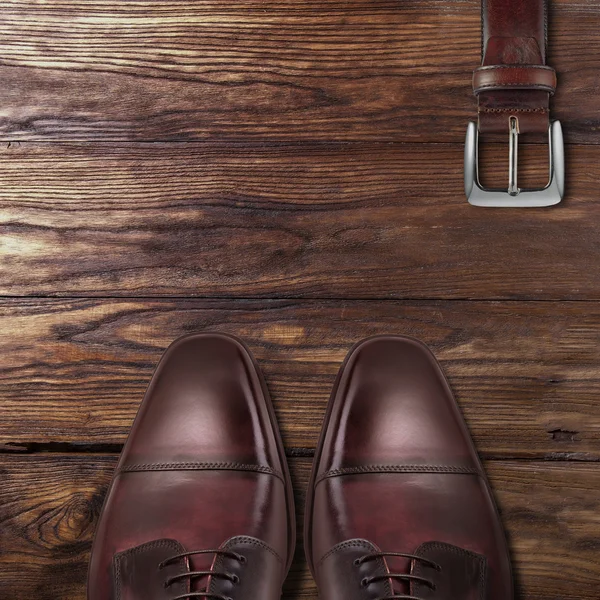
<point>343,221</point>
<point>279,70</point>
<point>525,374</point>
<point>51,504</point>
<point>289,171</point>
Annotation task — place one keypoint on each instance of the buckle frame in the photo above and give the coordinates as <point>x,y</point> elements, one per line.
<point>513,196</point>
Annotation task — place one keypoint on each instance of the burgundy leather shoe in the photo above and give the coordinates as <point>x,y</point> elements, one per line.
<point>398,505</point>
<point>201,503</point>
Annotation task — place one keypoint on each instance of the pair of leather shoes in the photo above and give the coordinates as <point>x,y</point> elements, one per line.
<point>201,503</point>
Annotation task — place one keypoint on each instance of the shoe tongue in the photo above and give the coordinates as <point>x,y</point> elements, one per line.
<point>136,573</point>
<point>463,574</point>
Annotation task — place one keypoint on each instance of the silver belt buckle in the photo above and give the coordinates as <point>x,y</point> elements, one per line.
<point>513,196</point>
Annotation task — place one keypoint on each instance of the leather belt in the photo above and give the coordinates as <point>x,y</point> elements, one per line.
<point>514,78</point>
<point>513,86</point>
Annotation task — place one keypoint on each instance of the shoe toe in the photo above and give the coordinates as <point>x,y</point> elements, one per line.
<point>393,406</point>
<point>205,403</point>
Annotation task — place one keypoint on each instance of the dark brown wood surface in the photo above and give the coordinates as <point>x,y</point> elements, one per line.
<point>285,221</point>
<point>290,172</point>
<point>285,70</point>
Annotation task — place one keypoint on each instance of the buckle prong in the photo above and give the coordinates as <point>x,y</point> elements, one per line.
<point>513,196</point>
<point>513,156</point>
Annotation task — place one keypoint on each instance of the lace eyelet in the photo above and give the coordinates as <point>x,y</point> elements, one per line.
<point>243,560</point>
<point>235,579</point>
<point>357,562</point>
<point>365,582</point>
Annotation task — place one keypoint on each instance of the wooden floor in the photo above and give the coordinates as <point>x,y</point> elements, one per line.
<point>289,171</point>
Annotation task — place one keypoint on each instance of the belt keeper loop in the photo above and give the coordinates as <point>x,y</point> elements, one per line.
<point>512,77</point>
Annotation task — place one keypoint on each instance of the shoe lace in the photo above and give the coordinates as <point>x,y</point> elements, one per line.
<point>406,577</point>
<point>196,574</point>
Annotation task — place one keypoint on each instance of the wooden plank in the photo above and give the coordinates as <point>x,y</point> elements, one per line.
<point>279,70</point>
<point>525,374</point>
<point>285,221</point>
<point>49,505</point>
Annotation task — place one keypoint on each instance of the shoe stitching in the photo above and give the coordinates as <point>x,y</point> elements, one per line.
<point>173,544</point>
<point>232,544</point>
<point>399,469</point>
<point>199,466</point>
<point>365,545</point>
<point>481,559</point>
<point>242,539</point>
<point>343,545</point>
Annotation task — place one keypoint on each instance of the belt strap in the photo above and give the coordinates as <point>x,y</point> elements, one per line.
<point>514,80</point>
<point>513,87</point>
